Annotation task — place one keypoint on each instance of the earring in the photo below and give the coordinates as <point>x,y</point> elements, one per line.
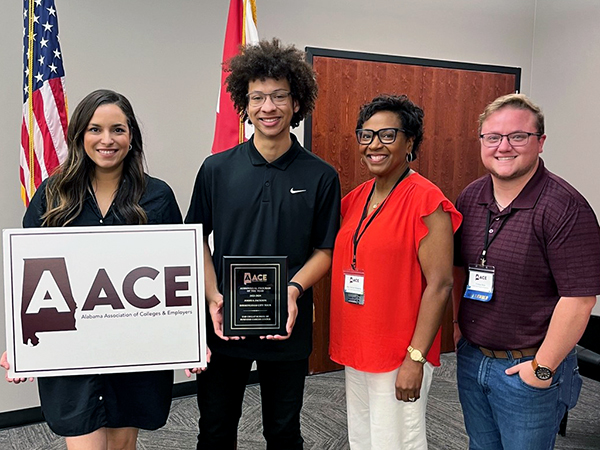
<point>130,146</point>
<point>410,157</point>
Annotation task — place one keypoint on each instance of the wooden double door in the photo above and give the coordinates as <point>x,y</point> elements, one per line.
<point>452,96</point>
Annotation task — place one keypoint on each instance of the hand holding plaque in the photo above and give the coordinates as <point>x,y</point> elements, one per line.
<point>255,299</point>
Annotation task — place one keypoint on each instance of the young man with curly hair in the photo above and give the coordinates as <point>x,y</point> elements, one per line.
<point>267,196</point>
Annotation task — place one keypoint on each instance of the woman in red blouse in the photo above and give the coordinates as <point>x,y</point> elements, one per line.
<point>391,279</point>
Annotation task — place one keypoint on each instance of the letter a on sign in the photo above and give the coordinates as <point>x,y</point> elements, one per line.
<point>47,295</point>
<point>47,303</point>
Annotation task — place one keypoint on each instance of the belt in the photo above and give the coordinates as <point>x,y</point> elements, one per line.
<point>507,354</point>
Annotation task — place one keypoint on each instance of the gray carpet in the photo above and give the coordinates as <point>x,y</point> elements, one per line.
<point>324,420</point>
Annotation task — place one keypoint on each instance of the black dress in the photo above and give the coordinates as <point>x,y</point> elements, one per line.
<point>78,405</point>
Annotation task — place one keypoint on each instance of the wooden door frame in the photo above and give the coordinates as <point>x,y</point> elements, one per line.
<point>312,52</point>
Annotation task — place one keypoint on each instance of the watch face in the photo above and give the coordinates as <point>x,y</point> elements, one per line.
<point>543,373</point>
<point>416,355</point>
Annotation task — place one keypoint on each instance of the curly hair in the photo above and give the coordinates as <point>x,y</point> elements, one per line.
<point>271,59</point>
<point>68,187</point>
<point>411,116</point>
<point>516,101</point>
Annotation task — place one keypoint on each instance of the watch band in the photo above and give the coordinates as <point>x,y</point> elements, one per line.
<point>542,372</point>
<point>416,355</point>
<point>297,286</point>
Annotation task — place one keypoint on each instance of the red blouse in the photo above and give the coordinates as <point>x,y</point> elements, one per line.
<point>373,337</point>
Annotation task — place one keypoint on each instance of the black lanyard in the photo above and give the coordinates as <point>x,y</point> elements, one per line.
<point>487,241</point>
<point>357,237</point>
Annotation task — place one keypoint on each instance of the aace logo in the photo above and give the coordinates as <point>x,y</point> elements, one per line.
<point>481,277</point>
<point>48,303</point>
<point>249,278</point>
<point>47,300</point>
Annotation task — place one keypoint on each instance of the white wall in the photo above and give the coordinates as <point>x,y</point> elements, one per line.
<point>565,74</point>
<point>165,57</point>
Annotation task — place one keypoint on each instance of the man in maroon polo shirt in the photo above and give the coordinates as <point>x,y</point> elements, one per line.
<point>530,248</point>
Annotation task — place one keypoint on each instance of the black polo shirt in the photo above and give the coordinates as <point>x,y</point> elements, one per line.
<point>288,207</point>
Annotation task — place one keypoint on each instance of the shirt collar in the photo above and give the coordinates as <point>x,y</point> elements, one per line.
<point>526,199</point>
<point>280,163</point>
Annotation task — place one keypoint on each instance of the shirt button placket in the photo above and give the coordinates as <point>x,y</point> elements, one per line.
<point>266,191</point>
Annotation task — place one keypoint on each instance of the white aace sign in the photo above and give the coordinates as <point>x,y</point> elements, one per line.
<point>88,300</point>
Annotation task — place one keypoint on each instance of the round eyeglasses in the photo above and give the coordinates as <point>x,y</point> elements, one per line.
<point>278,97</point>
<point>516,139</point>
<point>385,135</point>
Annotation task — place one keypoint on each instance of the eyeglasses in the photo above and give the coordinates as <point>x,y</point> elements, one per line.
<point>278,97</point>
<point>516,139</point>
<point>385,135</point>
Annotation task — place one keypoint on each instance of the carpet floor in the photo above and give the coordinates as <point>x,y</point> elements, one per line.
<point>324,419</point>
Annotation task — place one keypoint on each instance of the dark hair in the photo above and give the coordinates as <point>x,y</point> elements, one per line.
<point>411,116</point>
<point>270,59</point>
<point>67,188</point>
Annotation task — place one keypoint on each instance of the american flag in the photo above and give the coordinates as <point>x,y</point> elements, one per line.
<point>44,127</point>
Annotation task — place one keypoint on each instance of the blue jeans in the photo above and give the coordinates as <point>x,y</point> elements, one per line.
<point>501,412</point>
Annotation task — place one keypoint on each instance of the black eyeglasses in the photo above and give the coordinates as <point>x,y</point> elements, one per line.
<point>278,97</point>
<point>385,135</point>
<point>516,139</point>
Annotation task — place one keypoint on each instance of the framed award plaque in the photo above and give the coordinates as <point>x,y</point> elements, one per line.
<point>254,295</point>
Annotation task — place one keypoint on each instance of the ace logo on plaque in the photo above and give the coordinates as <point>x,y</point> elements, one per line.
<point>255,295</point>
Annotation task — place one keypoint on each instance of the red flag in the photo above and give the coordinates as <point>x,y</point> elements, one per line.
<point>241,30</point>
<point>44,125</point>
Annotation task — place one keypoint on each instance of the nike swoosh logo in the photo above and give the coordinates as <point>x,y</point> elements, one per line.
<point>296,191</point>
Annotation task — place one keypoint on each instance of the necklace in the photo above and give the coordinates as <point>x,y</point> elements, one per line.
<point>380,202</point>
<point>500,207</point>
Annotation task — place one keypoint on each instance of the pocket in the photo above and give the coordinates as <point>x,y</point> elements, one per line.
<point>462,342</point>
<point>553,385</point>
<point>574,389</point>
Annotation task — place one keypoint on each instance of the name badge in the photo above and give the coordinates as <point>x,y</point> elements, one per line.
<point>354,287</point>
<point>481,283</point>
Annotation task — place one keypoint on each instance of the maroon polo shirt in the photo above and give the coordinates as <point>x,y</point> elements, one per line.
<point>545,245</point>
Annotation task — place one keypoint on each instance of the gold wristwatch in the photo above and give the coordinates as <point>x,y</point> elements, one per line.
<point>416,355</point>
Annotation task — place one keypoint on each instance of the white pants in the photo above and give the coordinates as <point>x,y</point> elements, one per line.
<point>377,420</point>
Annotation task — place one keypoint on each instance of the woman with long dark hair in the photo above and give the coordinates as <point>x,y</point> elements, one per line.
<point>102,182</point>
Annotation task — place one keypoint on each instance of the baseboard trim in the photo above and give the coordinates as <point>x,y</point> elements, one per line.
<point>28,416</point>
<point>19,417</point>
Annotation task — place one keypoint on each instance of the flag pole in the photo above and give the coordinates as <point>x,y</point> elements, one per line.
<point>241,124</point>
<point>30,104</point>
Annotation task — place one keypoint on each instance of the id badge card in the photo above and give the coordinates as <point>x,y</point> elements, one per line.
<point>354,286</point>
<point>481,283</point>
